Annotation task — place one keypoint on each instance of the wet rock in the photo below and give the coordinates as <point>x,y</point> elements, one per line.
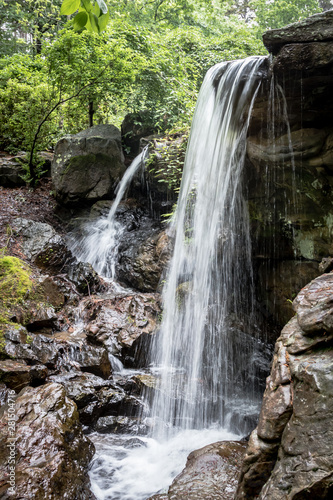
<point>78,353</point>
<point>304,56</point>
<point>258,462</point>
<point>122,425</point>
<point>124,324</point>
<point>4,393</point>
<point>52,454</point>
<point>143,268</point>
<point>85,278</point>
<point>17,374</point>
<point>14,374</point>
<point>210,472</point>
<point>36,237</point>
<point>289,454</point>
<point>45,349</point>
<point>87,166</point>
<point>314,305</point>
<point>317,28</point>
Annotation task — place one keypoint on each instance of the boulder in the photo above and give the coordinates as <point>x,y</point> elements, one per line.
<point>210,472</point>
<point>11,171</point>
<point>142,267</point>
<point>37,238</point>
<point>52,454</point>
<point>87,166</point>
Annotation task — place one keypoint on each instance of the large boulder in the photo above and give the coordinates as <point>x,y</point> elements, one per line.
<point>87,166</point>
<point>290,452</point>
<point>51,452</point>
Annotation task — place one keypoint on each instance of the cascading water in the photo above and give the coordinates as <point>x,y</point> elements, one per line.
<point>204,354</point>
<point>202,350</point>
<point>99,240</point>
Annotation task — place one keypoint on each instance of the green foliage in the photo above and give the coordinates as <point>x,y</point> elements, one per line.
<point>166,164</point>
<point>278,13</point>
<point>91,15</point>
<point>24,95</point>
<point>25,24</point>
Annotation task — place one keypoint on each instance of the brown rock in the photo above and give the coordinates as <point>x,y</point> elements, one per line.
<point>314,305</point>
<point>210,472</point>
<point>52,454</point>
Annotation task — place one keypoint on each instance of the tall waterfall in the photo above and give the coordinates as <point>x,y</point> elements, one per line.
<point>205,353</point>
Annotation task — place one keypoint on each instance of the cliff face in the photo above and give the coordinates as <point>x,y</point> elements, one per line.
<point>290,163</point>
<point>289,455</point>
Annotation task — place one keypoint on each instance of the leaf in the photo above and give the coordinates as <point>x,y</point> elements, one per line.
<point>96,10</point>
<point>80,20</point>
<point>93,22</point>
<point>102,6</point>
<point>87,5</point>
<point>68,7</point>
<point>103,21</point>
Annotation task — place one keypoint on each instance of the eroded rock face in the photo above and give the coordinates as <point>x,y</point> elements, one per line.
<point>289,453</point>
<point>87,166</point>
<point>290,158</point>
<point>52,454</point>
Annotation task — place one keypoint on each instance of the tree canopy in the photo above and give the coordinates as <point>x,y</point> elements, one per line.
<point>66,64</point>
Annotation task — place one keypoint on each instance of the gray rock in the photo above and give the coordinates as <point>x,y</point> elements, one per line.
<point>11,172</point>
<point>316,28</point>
<point>88,165</point>
<point>52,454</point>
<point>36,237</point>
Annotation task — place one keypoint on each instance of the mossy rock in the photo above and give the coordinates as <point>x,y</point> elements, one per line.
<point>24,299</point>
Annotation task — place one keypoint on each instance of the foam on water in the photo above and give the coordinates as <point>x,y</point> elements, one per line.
<point>131,468</point>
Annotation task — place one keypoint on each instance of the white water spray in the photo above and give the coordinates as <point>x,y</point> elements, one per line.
<point>100,239</point>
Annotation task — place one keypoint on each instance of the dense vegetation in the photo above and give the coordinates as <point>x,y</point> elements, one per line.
<point>62,73</point>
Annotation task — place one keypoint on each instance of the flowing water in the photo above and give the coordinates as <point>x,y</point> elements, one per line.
<point>208,299</point>
<point>99,240</point>
<point>205,352</point>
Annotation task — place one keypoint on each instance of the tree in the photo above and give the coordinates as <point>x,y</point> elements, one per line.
<point>278,13</point>
<point>26,23</point>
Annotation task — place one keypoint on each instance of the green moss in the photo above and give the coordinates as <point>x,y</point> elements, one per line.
<point>15,280</point>
<point>15,284</point>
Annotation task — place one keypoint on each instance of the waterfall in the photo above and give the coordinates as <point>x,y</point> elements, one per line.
<point>205,356</point>
<point>99,241</point>
<point>204,351</point>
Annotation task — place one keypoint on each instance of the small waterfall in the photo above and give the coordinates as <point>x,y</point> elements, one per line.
<point>99,240</point>
<point>204,350</point>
